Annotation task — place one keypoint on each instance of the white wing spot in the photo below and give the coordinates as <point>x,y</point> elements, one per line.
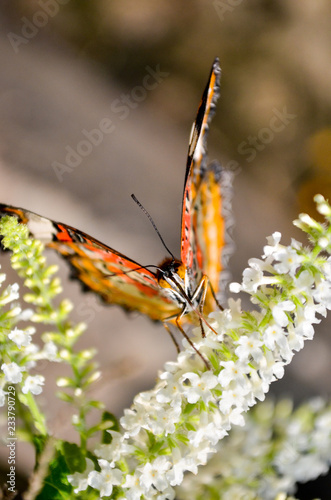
<point>41,228</point>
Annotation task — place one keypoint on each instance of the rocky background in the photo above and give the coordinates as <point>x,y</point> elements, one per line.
<point>68,66</point>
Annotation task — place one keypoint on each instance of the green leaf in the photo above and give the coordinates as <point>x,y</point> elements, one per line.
<point>96,404</point>
<point>188,408</point>
<point>65,397</point>
<point>155,449</point>
<point>73,456</point>
<point>184,439</point>
<point>190,427</point>
<point>113,425</point>
<point>39,442</point>
<point>55,484</point>
<point>67,460</point>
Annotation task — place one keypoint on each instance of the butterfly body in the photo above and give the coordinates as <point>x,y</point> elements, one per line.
<point>174,280</point>
<point>179,288</point>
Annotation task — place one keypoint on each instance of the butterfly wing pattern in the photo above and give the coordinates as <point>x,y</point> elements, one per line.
<point>196,160</point>
<point>203,226</point>
<point>179,286</point>
<point>108,273</point>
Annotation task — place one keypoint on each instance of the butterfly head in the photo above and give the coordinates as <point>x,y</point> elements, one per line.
<point>170,273</point>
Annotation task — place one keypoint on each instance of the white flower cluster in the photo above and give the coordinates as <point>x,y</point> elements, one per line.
<point>20,353</point>
<point>276,448</point>
<point>176,426</point>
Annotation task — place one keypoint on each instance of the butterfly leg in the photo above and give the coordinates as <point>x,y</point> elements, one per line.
<point>214,297</point>
<point>205,282</point>
<point>203,334</point>
<point>200,296</point>
<point>172,336</point>
<point>181,329</point>
<point>202,285</point>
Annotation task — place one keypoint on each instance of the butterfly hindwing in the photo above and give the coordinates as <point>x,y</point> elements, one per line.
<point>102,270</point>
<point>209,229</point>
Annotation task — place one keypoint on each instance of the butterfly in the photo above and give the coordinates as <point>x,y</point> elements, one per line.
<point>178,290</point>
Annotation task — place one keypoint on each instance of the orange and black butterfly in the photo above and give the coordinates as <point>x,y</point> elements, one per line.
<point>179,289</point>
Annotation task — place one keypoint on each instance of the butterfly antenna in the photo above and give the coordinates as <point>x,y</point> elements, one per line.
<point>119,273</point>
<point>153,224</point>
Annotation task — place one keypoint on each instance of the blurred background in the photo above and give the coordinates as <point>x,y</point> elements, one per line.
<point>69,67</point>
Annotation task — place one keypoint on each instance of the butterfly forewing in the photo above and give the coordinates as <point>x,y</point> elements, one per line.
<point>111,275</point>
<point>196,158</point>
<point>191,248</point>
